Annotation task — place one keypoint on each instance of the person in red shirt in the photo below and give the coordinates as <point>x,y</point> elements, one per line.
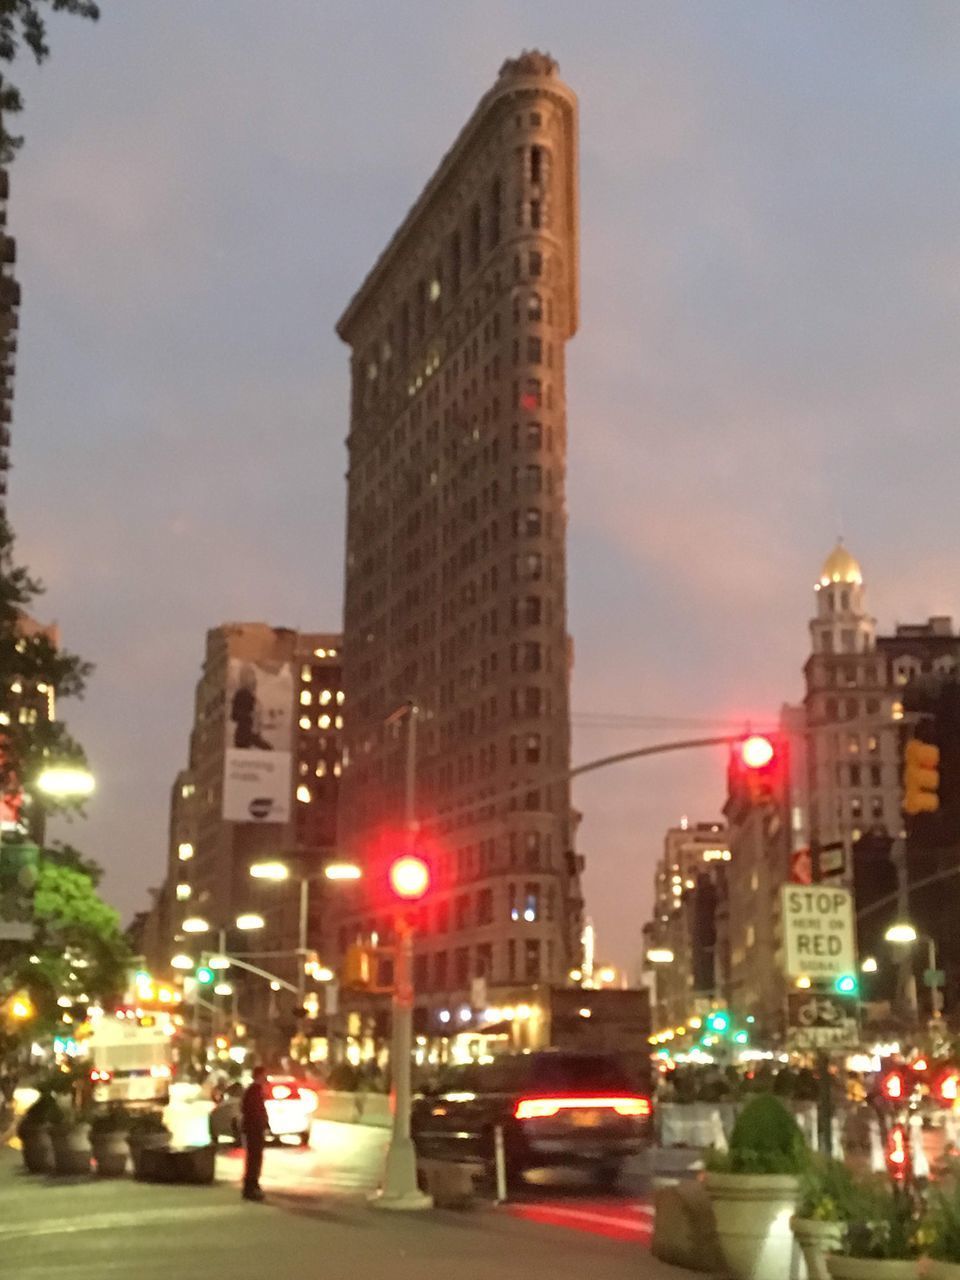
<point>256,1126</point>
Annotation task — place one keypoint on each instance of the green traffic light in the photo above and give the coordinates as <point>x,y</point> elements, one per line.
<point>741,1037</point>
<point>204,975</point>
<point>846,985</point>
<point>719,1022</point>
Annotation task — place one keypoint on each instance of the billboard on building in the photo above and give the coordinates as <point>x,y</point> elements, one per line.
<point>258,759</point>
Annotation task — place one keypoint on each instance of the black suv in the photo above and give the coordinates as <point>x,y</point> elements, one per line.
<point>555,1108</point>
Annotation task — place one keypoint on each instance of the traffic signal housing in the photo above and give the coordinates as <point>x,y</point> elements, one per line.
<point>921,777</point>
<point>758,768</point>
<point>204,975</point>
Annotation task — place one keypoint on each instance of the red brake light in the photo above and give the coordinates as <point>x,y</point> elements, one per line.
<point>898,1153</point>
<point>103,1076</point>
<point>544,1108</point>
<point>893,1086</point>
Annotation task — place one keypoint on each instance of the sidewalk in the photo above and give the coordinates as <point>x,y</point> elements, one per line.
<point>91,1230</point>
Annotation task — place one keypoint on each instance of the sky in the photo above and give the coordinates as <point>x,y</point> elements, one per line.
<point>767,357</point>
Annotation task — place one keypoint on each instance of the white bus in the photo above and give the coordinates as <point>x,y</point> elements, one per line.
<point>129,1062</point>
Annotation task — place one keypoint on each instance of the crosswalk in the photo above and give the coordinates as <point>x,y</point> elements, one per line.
<point>630,1221</point>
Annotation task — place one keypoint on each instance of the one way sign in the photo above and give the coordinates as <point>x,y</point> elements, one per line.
<point>818,931</point>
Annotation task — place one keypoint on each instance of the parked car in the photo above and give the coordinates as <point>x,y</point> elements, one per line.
<point>291,1104</point>
<point>555,1108</point>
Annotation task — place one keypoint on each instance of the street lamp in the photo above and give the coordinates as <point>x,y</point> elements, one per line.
<point>270,871</point>
<point>869,965</point>
<point>250,920</point>
<point>62,782</point>
<point>182,961</point>
<point>342,871</point>
<point>195,924</point>
<point>660,955</point>
<point>903,933</point>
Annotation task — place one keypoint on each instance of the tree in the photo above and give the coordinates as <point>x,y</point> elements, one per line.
<point>23,22</point>
<point>33,672</point>
<point>76,949</point>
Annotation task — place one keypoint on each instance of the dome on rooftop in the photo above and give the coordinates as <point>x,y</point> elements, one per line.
<point>840,566</point>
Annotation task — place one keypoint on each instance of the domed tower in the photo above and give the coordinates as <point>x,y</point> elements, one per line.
<point>842,624</point>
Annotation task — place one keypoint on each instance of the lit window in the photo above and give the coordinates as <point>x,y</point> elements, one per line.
<point>306,675</point>
<point>324,697</point>
<point>319,653</point>
<point>305,722</point>
<point>338,722</point>
<point>337,769</point>
<point>187,790</point>
<point>306,697</point>
<point>324,722</point>
<point>183,892</point>
<point>4,718</point>
<point>331,653</point>
<point>303,794</point>
<point>185,851</point>
<point>434,290</point>
<point>341,697</point>
<point>896,711</point>
<point>321,769</point>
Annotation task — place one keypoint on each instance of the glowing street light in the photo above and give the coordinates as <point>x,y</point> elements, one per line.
<point>250,920</point>
<point>195,924</point>
<point>901,932</point>
<point>182,961</point>
<point>270,871</point>
<point>660,955</point>
<point>62,782</point>
<point>869,965</point>
<point>342,871</point>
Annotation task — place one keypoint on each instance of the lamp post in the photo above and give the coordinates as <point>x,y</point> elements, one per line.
<point>904,934</point>
<point>409,881</point>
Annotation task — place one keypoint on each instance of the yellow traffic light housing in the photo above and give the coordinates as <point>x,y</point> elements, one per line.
<point>921,777</point>
<point>367,968</point>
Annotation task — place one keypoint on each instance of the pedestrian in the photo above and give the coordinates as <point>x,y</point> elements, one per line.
<point>256,1126</point>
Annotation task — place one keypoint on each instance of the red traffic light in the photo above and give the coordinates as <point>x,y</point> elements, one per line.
<point>947,1086</point>
<point>756,752</point>
<point>409,877</point>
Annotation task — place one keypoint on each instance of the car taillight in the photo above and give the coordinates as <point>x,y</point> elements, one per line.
<point>544,1108</point>
<point>104,1077</point>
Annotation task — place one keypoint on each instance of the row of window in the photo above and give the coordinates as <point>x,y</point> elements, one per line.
<point>445,971</point>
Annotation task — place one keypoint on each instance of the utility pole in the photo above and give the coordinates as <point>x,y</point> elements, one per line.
<point>400,1190</point>
<point>906,980</point>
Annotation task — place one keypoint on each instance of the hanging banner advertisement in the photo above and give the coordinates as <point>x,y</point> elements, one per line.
<point>259,737</point>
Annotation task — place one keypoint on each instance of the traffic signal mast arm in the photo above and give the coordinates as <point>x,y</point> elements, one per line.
<point>261,973</point>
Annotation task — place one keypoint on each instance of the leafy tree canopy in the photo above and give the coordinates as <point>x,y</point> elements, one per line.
<point>24,22</point>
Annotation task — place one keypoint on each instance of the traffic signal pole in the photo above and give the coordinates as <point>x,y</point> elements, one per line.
<point>400,1189</point>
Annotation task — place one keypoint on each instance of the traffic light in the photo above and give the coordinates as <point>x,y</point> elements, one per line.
<point>758,768</point>
<point>409,877</point>
<point>204,975</point>
<point>921,777</point>
<point>946,1086</point>
<point>846,985</point>
<point>357,967</point>
<point>718,1022</point>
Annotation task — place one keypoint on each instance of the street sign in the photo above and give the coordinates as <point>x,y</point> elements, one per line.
<point>821,1020</point>
<point>818,934</point>
<point>934,977</point>
<point>801,867</point>
<point>831,859</point>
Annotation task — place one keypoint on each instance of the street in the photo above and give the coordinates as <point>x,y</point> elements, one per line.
<point>316,1221</point>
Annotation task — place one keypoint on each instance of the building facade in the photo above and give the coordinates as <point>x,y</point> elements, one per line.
<point>210,852</point>
<point>688,880</point>
<point>9,324</point>
<point>455,558</point>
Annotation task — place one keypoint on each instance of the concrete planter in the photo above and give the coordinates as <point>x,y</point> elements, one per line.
<point>155,1140</point>
<point>817,1239</point>
<point>71,1148</point>
<point>37,1146</point>
<point>753,1212</point>
<point>111,1150</point>
<point>843,1268</point>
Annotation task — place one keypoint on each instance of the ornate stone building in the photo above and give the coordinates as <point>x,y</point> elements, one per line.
<point>455,558</point>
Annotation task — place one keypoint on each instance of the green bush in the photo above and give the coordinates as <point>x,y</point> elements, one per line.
<point>828,1192</point>
<point>940,1230</point>
<point>884,1222</point>
<point>766,1139</point>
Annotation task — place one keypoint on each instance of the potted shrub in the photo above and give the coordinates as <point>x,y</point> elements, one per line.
<point>71,1143</point>
<point>147,1132</point>
<point>882,1237</point>
<point>108,1138</point>
<point>754,1188</point>
<point>940,1229</point>
<point>827,1198</point>
<point>35,1136</point>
